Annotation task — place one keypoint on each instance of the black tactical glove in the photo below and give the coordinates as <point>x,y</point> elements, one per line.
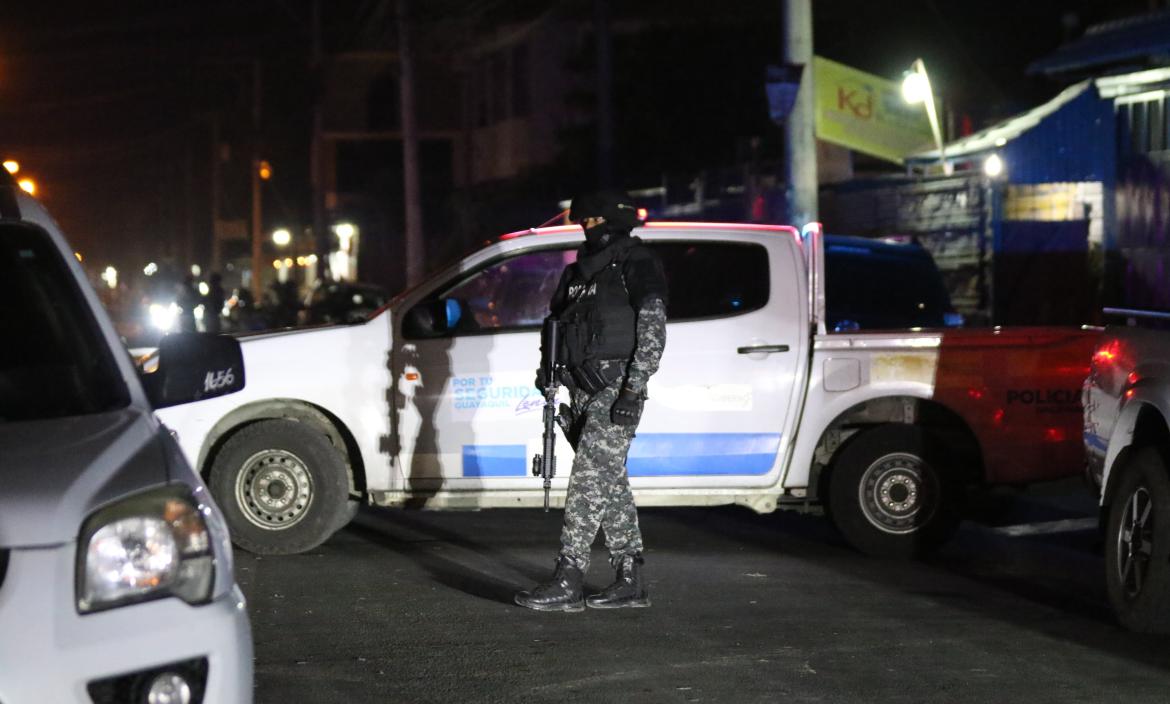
<point>541,383</point>
<point>627,409</point>
<point>572,423</point>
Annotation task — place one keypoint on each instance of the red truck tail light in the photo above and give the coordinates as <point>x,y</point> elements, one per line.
<point>1107,353</point>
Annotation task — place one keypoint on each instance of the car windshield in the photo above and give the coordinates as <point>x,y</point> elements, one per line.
<point>53,360</point>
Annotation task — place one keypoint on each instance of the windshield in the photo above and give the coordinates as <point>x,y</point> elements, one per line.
<point>53,360</point>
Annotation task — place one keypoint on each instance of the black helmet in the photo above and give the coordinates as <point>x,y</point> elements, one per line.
<point>616,207</point>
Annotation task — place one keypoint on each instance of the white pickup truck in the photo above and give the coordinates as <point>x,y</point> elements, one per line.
<point>430,402</point>
<point>1127,438</point>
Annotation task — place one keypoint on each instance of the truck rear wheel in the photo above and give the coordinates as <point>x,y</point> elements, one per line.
<point>889,495</point>
<point>282,487</point>
<point>1137,544</point>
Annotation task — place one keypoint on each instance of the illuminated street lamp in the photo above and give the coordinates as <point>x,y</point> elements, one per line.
<point>28,185</point>
<point>916,89</point>
<point>345,232</point>
<point>281,237</point>
<point>110,276</point>
<point>993,166</point>
<point>11,165</point>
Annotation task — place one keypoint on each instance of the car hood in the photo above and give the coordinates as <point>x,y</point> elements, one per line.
<point>54,473</point>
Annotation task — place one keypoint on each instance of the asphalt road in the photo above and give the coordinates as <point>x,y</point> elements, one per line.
<point>417,607</point>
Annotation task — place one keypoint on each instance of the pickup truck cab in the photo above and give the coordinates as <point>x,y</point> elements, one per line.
<point>1127,441</point>
<point>430,403</point>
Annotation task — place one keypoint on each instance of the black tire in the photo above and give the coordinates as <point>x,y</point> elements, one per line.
<point>1137,544</point>
<point>890,495</point>
<point>282,487</point>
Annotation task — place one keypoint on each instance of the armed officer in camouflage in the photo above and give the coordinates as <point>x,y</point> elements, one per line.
<point>612,307</point>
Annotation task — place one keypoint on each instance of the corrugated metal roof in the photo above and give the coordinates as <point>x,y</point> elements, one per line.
<point>1000,134</point>
<point>1123,40</point>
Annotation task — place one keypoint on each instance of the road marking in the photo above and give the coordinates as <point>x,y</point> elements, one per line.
<point>1048,527</point>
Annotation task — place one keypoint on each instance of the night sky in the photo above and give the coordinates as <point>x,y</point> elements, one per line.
<point>109,106</point>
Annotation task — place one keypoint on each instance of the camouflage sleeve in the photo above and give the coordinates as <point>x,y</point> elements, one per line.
<point>651,340</point>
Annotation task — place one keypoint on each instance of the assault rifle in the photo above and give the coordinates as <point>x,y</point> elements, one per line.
<point>544,465</point>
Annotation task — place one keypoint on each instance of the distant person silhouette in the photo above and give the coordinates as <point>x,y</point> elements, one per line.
<point>213,304</point>
<point>186,298</point>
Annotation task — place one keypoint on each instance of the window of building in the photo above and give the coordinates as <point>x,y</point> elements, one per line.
<point>499,98</point>
<point>521,91</point>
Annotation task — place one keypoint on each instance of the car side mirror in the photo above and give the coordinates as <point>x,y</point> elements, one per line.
<point>194,366</point>
<point>433,318</point>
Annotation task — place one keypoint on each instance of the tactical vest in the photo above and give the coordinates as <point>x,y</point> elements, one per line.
<point>598,322</point>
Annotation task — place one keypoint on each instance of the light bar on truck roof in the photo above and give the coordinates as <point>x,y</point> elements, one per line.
<point>541,231</point>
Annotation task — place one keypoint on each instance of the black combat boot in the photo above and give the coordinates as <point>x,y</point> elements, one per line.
<point>627,591</point>
<point>562,593</point>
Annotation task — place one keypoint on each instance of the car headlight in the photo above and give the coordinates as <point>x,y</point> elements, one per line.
<point>149,546</point>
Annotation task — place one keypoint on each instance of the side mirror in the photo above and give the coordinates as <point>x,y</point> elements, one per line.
<point>433,318</point>
<point>194,366</point>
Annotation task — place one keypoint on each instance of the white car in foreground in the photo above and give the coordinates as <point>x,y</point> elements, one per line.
<point>116,580</point>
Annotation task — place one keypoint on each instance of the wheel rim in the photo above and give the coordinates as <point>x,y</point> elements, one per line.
<point>274,489</point>
<point>1135,542</point>
<point>898,493</point>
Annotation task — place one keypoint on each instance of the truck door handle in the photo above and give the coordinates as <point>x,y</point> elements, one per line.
<point>761,349</point>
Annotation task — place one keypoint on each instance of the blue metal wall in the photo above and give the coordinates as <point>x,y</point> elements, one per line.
<point>1075,143</point>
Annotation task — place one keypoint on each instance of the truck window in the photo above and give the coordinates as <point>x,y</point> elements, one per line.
<point>54,361</point>
<point>706,280</point>
<point>713,279</point>
<point>513,293</point>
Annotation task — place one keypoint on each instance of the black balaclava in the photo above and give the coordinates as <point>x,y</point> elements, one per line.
<point>601,236</point>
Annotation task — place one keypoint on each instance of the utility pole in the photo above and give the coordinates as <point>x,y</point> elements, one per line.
<point>800,149</point>
<point>316,177</point>
<point>257,206</point>
<point>604,94</point>
<point>216,234</point>
<point>189,199</point>
<point>415,253</point>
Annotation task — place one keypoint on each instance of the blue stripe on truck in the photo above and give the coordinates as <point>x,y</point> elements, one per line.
<point>652,455</point>
<point>494,461</point>
<point>702,454</point>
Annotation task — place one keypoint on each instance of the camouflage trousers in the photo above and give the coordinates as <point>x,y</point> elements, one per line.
<point>599,488</point>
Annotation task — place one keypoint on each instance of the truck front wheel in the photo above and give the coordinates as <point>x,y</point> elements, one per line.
<point>282,487</point>
<point>1137,544</point>
<point>889,494</point>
